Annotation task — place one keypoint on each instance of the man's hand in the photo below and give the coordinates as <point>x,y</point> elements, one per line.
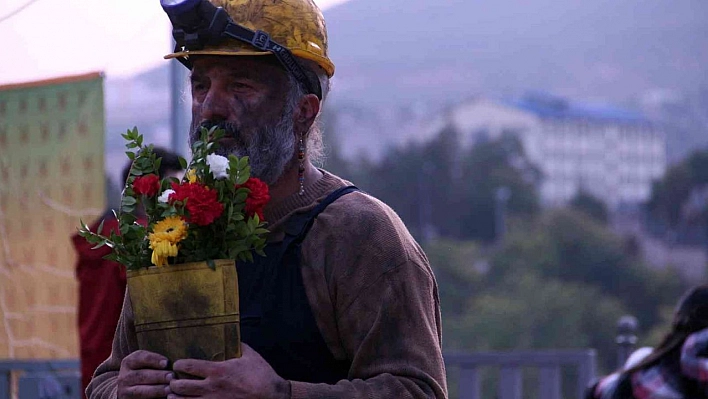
<point>143,375</point>
<point>249,376</point>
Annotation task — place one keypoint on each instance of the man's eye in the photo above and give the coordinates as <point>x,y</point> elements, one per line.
<point>240,86</point>
<point>198,86</point>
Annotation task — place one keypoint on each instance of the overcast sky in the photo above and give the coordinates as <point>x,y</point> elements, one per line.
<point>53,38</point>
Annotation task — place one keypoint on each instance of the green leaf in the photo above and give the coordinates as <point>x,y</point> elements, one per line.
<point>218,134</point>
<point>242,163</point>
<point>99,245</point>
<point>129,201</point>
<point>241,197</point>
<point>100,227</point>
<point>182,162</point>
<point>130,155</point>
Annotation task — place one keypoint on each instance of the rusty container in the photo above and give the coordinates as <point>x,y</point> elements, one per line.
<point>187,310</point>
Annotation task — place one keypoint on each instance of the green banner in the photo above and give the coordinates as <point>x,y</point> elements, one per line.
<point>51,175</point>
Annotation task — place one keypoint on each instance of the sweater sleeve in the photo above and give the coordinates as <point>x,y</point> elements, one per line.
<point>104,382</point>
<point>390,333</point>
<point>382,309</point>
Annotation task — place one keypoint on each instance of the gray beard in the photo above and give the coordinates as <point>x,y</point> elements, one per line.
<point>269,149</point>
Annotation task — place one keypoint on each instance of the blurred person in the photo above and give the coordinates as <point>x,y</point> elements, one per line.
<point>102,282</point>
<point>345,304</point>
<point>676,369</point>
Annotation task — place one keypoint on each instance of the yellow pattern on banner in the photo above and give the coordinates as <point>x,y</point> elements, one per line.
<point>51,175</point>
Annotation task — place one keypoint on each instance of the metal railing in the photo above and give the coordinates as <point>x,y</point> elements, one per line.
<point>40,379</point>
<point>511,364</point>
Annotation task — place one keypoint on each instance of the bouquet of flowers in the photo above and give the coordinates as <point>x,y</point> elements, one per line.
<point>214,212</point>
<point>181,256</point>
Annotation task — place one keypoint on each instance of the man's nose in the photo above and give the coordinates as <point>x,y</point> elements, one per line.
<point>215,106</point>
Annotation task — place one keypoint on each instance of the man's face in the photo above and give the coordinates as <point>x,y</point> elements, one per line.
<point>247,97</point>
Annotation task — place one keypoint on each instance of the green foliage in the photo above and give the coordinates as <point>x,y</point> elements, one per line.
<point>561,280</point>
<point>527,310</point>
<point>487,167</point>
<point>455,271</point>
<point>587,203</point>
<point>670,193</point>
<point>573,247</point>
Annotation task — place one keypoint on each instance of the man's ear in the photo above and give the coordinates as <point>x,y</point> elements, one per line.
<point>306,112</point>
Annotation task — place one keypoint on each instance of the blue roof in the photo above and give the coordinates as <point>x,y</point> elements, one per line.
<point>547,106</point>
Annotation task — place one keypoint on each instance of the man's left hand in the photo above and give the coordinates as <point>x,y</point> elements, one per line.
<point>249,376</point>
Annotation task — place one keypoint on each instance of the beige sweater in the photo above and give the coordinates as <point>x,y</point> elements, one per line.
<point>372,292</point>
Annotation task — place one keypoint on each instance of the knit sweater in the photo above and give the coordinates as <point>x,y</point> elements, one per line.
<point>372,292</point>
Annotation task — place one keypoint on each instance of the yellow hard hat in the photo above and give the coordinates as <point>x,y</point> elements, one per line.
<point>297,25</point>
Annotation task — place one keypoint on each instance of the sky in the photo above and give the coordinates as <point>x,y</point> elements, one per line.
<point>54,38</point>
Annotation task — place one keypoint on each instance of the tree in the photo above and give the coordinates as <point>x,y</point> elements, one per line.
<point>487,167</point>
<point>572,247</point>
<point>591,206</point>
<point>671,193</point>
<point>561,280</point>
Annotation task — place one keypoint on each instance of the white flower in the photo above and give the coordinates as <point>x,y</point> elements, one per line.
<point>218,165</point>
<point>165,196</point>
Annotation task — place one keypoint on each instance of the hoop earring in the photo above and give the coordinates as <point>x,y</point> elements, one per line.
<point>301,166</point>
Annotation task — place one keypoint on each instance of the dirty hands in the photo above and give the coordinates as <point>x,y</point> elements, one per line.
<point>143,375</point>
<point>249,376</point>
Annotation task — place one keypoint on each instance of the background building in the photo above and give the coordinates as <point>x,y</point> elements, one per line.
<point>611,153</point>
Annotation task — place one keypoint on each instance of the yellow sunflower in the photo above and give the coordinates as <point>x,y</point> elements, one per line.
<point>166,234</point>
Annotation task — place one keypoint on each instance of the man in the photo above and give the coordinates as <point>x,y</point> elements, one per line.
<point>345,305</point>
<point>102,283</point>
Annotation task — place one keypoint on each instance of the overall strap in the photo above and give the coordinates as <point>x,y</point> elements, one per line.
<point>300,223</point>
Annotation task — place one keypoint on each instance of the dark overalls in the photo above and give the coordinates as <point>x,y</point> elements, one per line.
<point>276,318</point>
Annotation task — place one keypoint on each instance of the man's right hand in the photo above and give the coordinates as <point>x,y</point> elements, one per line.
<point>143,375</point>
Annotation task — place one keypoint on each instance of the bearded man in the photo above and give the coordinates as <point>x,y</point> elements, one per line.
<point>345,305</point>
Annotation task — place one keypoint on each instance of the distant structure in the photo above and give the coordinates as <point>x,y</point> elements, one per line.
<point>611,153</point>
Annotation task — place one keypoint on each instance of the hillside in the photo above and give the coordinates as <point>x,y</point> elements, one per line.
<point>398,50</point>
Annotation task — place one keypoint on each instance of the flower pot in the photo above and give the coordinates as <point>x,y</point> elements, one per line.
<point>187,310</point>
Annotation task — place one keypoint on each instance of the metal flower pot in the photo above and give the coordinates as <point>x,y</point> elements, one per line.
<point>187,310</point>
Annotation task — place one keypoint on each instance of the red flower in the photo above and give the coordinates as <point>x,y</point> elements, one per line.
<point>257,198</point>
<point>146,185</point>
<point>202,203</point>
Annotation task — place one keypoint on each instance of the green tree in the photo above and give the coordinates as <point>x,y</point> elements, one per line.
<point>588,204</point>
<point>486,167</point>
<point>561,280</point>
<point>572,247</point>
<point>670,193</point>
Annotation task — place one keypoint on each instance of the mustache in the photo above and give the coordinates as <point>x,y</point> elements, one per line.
<point>230,128</point>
